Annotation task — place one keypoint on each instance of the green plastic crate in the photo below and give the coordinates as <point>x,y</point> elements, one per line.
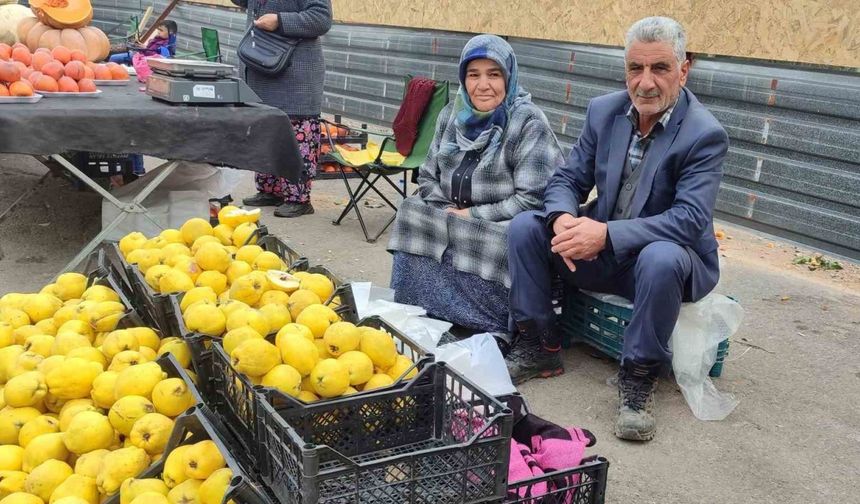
<point>601,325</point>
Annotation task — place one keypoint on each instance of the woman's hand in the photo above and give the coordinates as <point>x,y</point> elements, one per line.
<point>268,22</point>
<point>460,212</point>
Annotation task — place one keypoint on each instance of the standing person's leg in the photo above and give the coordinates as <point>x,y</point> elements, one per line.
<point>278,191</point>
<point>297,197</point>
<point>268,191</point>
<point>660,274</point>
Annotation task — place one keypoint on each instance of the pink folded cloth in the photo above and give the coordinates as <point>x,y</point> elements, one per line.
<point>557,453</point>
<point>465,424</point>
<point>522,467</point>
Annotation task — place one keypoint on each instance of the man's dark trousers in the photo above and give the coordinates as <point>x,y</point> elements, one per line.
<point>656,280</point>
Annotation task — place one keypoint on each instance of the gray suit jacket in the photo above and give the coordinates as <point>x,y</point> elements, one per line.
<point>677,189</point>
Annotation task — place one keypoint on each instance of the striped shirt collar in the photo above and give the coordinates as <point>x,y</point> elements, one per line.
<point>633,116</point>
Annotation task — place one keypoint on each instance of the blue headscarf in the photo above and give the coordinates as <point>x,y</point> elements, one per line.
<point>476,127</point>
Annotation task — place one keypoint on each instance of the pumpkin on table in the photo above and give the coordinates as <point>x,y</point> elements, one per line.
<point>63,13</point>
<point>87,39</point>
<point>10,15</point>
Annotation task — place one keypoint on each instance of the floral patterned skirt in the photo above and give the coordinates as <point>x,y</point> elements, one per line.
<point>307,131</point>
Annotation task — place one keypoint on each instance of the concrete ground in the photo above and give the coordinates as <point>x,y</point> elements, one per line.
<point>794,438</point>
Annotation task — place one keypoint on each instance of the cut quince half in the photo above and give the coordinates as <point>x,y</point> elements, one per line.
<point>233,216</point>
<point>283,281</point>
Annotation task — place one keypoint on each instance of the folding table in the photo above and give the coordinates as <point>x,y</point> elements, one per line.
<point>122,119</point>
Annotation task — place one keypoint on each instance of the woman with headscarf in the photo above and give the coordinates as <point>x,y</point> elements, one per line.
<point>490,159</point>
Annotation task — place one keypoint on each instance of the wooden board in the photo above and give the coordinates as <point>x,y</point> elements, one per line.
<point>822,32</point>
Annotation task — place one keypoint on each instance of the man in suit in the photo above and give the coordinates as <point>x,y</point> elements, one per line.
<point>655,155</point>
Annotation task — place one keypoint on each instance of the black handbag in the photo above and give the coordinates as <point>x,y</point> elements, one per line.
<point>266,52</point>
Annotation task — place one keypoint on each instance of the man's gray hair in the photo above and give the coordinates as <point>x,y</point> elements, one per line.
<point>659,29</point>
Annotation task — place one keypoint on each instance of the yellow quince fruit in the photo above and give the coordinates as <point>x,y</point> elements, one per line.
<point>88,431</point>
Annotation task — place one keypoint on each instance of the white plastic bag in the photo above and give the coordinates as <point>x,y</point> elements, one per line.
<point>184,194</point>
<point>479,359</point>
<point>411,320</point>
<point>700,329</point>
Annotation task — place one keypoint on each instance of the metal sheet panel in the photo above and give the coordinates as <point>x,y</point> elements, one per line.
<point>793,167</point>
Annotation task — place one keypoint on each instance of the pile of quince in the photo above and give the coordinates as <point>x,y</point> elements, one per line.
<point>193,473</point>
<point>346,360</point>
<point>84,405</point>
<point>233,289</point>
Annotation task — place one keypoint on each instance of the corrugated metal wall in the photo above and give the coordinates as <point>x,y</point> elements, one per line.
<point>794,164</point>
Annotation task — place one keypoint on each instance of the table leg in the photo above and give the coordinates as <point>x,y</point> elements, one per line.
<point>125,209</point>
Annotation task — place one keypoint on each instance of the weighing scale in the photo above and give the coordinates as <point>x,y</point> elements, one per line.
<point>196,82</point>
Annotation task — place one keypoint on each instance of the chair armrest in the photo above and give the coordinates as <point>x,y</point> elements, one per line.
<point>351,128</point>
<point>385,141</point>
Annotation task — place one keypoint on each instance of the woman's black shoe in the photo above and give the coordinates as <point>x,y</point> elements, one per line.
<point>294,210</point>
<point>263,199</point>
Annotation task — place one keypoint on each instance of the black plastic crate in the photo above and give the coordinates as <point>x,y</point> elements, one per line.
<point>171,367</point>
<point>109,258</point>
<point>236,399</point>
<point>198,424</point>
<point>101,164</point>
<point>132,317</point>
<point>157,307</point>
<point>437,439</point>
<point>601,325</point>
<point>200,344</point>
<point>583,484</point>
<point>293,260</point>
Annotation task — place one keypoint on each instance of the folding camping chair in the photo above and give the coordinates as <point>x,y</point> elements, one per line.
<point>211,46</point>
<point>370,173</point>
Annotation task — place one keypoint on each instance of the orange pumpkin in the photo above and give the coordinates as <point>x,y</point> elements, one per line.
<point>63,13</point>
<point>87,86</point>
<point>47,84</point>
<point>34,77</point>
<point>9,72</point>
<point>87,40</point>
<point>67,85</point>
<point>102,72</point>
<point>23,55</point>
<point>40,59</point>
<point>61,54</point>
<point>54,69</point>
<point>117,72</point>
<point>21,88</point>
<point>75,69</point>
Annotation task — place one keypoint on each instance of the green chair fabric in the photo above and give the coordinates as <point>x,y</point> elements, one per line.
<point>376,171</point>
<point>211,47</point>
<point>211,44</point>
